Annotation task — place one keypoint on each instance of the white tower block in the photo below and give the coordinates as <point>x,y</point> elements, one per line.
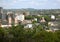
<point>20,17</point>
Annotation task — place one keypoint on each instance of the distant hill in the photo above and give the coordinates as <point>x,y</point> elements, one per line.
<point>34,11</point>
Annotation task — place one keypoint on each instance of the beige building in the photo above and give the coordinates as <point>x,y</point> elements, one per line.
<point>42,20</point>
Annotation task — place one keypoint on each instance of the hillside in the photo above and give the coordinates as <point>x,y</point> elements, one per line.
<point>34,11</point>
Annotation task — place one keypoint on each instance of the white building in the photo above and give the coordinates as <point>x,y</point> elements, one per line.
<point>28,26</point>
<point>20,17</point>
<point>52,17</point>
<point>35,19</point>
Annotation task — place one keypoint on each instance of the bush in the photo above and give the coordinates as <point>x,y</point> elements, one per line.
<point>19,34</point>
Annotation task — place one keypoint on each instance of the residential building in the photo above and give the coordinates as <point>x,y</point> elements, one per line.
<point>1,12</point>
<point>52,17</point>
<point>42,20</point>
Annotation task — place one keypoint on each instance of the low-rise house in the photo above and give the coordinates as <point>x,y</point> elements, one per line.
<point>28,26</point>
<point>42,20</point>
<point>6,25</point>
<point>35,19</point>
<point>52,17</point>
<point>26,22</point>
<point>54,25</point>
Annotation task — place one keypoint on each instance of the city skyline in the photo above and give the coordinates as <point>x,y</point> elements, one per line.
<point>36,4</point>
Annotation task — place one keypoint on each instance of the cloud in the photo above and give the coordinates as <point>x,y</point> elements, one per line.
<point>33,3</point>
<point>29,3</point>
<point>15,1</point>
<point>38,2</point>
<point>55,2</point>
<point>58,0</point>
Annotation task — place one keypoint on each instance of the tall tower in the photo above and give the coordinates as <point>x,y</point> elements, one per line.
<point>16,20</point>
<point>1,12</point>
<point>10,18</point>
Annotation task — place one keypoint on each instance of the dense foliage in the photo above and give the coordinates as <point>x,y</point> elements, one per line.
<point>20,34</point>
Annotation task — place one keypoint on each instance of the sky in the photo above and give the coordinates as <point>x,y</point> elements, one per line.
<point>36,4</point>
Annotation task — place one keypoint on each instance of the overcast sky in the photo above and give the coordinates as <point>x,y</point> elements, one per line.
<point>37,4</point>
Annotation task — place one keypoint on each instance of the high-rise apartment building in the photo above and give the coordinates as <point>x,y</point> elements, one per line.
<point>1,12</point>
